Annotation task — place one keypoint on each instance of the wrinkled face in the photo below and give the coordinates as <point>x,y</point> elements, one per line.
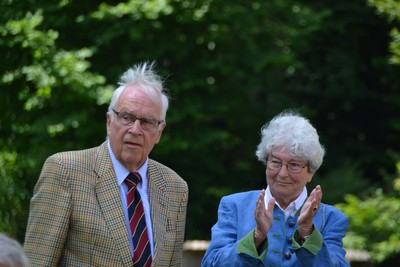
<point>286,186</point>
<point>131,145</point>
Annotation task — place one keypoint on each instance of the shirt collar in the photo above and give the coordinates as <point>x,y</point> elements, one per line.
<point>121,172</point>
<point>293,206</point>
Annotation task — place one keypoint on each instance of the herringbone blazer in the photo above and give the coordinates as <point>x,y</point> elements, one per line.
<point>76,216</point>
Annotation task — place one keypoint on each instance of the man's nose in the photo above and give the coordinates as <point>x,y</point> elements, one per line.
<point>136,126</point>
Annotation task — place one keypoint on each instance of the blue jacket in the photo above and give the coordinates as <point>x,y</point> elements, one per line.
<point>232,241</point>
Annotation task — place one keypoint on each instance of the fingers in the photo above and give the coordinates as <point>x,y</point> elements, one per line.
<point>262,195</point>
<point>316,194</point>
<point>263,215</point>
<point>261,203</point>
<point>271,204</point>
<point>310,209</point>
<point>260,206</point>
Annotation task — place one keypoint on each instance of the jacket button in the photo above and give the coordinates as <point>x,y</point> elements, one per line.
<point>292,223</point>
<point>288,255</point>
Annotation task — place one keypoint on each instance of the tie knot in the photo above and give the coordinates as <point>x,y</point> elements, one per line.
<point>133,179</point>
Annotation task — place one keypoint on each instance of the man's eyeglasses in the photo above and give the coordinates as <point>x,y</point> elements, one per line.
<point>293,167</point>
<point>128,119</point>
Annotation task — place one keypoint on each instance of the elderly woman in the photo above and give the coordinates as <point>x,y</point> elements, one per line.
<point>281,225</point>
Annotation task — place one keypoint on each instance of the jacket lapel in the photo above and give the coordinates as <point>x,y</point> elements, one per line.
<point>108,197</point>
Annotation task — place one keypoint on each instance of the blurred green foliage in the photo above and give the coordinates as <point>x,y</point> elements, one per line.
<point>374,224</point>
<point>230,66</point>
<point>391,10</point>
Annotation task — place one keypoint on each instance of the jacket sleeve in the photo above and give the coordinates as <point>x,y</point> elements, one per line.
<point>225,249</point>
<point>181,220</point>
<point>49,216</point>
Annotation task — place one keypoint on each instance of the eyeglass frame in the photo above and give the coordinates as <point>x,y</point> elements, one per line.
<point>287,166</point>
<point>134,119</point>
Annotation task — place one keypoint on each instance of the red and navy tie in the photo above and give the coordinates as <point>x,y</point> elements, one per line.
<point>137,221</point>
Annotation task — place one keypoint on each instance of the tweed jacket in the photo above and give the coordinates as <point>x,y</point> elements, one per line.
<point>236,221</point>
<point>76,216</point>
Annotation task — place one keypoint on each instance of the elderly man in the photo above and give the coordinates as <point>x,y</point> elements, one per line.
<point>112,205</point>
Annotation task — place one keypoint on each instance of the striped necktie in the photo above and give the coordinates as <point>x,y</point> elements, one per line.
<point>137,222</point>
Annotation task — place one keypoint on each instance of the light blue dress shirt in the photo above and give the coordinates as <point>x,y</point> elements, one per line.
<point>121,173</point>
